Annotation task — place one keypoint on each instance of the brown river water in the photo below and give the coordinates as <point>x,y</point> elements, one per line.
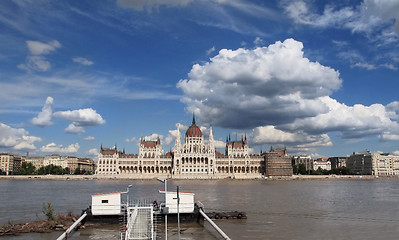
<point>312,209</point>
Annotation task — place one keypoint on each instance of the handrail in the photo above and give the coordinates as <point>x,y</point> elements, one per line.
<point>72,227</point>
<point>214,225</point>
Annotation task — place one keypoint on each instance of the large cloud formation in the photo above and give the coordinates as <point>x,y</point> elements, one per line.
<point>248,88</point>
<point>282,96</point>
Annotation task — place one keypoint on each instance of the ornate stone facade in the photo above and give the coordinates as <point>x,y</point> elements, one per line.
<point>194,159</point>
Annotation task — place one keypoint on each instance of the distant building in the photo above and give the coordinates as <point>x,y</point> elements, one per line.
<point>10,163</point>
<point>278,163</point>
<point>194,159</point>
<point>87,165</point>
<point>379,164</point>
<point>322,163</point>
<point>56,160</point>
<point>305,160</point>
<point>337,162</point>
<point>37,162</point>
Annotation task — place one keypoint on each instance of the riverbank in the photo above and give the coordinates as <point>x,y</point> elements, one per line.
<point>97,177</point>
<point>60,223</point>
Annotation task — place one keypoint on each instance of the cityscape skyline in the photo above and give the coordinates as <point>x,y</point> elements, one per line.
<point>320,78</point>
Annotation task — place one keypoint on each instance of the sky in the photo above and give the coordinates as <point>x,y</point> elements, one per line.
<point>319,77</point>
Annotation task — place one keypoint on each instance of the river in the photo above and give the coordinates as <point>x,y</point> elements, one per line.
<point>313,209</point>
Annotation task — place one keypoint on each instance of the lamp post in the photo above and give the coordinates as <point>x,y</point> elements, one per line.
<point>127,195</point>
<point>178,214</point>
<point>166,214</point>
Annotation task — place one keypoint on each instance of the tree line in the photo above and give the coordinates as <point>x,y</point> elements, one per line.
<point>301,169</point>
<point>28,169</point>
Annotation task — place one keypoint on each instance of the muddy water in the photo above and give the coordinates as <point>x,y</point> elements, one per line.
<point>327,209</point>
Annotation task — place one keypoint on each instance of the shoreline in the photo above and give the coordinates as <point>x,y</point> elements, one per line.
<point>116,178</point>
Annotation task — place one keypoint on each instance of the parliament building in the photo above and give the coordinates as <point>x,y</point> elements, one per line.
<point>193,160</point>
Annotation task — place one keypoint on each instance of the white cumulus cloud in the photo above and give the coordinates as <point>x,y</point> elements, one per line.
<point>246,88</point>
<point>92,152</point>
<point>83,117</point>
<point>79,119</point>
<point>54,148</point>
<point>283,97</point>
<point>44,118</point>
<point>16,138</point>
<point>89,138</point>
<point>74,128</point>
<point>351,121</point>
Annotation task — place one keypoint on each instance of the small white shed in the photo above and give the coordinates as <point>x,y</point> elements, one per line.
<point>107,203</point>
<point>186,201</point>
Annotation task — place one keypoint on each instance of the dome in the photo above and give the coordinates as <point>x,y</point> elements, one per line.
<point>193,130</point>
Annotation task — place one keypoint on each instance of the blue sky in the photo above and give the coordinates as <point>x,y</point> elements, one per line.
<point>320,77</point>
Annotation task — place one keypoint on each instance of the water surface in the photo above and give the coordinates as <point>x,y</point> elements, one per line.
<point>328,209</point>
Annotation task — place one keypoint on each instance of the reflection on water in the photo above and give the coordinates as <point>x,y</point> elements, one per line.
<point>328,209</point>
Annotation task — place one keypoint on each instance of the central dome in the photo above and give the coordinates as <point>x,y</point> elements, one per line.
<point>193,130</point>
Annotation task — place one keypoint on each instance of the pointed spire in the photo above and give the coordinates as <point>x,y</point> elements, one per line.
<point>193,118</point>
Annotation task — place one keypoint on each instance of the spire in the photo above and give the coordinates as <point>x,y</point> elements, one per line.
<point>193,119</point>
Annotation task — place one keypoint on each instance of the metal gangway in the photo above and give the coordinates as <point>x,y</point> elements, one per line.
<point>140,223</point>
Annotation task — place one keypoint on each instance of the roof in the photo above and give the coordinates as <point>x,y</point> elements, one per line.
<point>188,193</point>
<point>193,130</point>
<point>110,193</point>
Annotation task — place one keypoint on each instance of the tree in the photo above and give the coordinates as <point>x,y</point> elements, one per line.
<point>48,211</point>
<point>295,169</point>
<point>26,169</point>
<point>302,169</point>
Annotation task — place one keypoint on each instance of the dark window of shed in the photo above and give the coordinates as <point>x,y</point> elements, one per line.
<point>104,201</point>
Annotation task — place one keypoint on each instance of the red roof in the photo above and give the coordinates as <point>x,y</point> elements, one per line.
<point>193,130</point>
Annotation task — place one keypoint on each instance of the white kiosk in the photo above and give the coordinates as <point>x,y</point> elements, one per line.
<point>107,203</point>
<point>186,201</point>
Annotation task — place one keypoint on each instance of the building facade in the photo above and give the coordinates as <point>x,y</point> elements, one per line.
<point>10,163</point>
<point>322,163</point>
<point>192,159</point>
<point>305,160</point>
<point>378,164</point>
<point>337,162</point>
<point>277,163</point>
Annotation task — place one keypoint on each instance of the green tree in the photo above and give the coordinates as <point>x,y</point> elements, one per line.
<point>48,211</point>
<point>302,169</point>
<point>295,169</point>
<point>26,169</point>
